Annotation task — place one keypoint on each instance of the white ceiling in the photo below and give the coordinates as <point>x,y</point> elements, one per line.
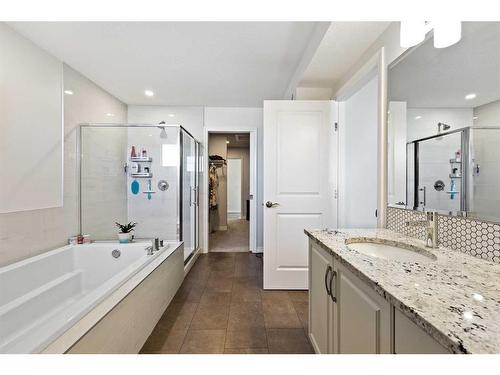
<point>343,44</point>
<point>430,77</point>
<point>184,63</point>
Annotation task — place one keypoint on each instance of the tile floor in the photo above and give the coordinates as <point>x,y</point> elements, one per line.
<point>234,239</point>
<point>222,308</point>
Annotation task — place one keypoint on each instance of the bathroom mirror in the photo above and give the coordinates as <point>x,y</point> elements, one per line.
<point>444,125</point>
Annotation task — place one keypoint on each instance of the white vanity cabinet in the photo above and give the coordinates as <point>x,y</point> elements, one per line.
<point>363,317</point>
<point>321,307</point>
<point>346,316</point>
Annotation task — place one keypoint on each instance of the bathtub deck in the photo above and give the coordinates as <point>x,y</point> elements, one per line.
<point>222,308</point>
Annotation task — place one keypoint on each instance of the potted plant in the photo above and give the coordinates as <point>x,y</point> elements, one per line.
<point>125,231</point>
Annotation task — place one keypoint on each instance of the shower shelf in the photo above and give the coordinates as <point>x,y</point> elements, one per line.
<point>148,192</point>
<point>451,176</point>
<point>141,175</point>
<point>141,159</point>
<point>455,161</point>
<point>452,192</point>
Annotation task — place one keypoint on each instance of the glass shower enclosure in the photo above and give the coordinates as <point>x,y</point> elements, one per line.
<point>456,171</point>
<point>143,173</point>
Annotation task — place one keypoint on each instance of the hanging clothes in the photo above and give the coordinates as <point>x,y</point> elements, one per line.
<point>213,185</point>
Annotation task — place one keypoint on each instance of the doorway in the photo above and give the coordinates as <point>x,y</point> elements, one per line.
<point>229,192</point>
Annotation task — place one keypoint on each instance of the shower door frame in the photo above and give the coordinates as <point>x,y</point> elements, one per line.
<point>196,189</point>
<point>465,165</point>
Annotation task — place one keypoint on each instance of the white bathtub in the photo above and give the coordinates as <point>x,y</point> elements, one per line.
<point>43,296</point>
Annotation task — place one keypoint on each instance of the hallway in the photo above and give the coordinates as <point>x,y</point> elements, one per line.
<point>234,239</point>
<point>222,308</point>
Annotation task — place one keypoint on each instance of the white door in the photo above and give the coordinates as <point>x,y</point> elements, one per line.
<point>300,178</point>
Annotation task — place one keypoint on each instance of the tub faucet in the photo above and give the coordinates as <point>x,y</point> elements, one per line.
<point>431,226</point>
<point>149,250</point>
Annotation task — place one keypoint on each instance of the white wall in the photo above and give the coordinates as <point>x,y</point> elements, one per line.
<point>244,155</point>
<point>31,125</point>
<point>422,122</point>
<point>358,195</point>
<point>313,93</point>
<point>234,185</point>
<point>24,234</point>
<point>191,118</point>
<point>487,114</point>
<point>396,152</point>
<point>389,41</point>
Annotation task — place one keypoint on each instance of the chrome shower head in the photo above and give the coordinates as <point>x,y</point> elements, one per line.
<point>163,133</point>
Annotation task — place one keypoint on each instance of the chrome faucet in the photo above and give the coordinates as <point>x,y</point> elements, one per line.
<point>431,226</point>
<point>149,250</point>
<point>155,246</point>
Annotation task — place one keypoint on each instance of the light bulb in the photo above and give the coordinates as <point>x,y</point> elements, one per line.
<point>447,33</point>
<point>412,33</point>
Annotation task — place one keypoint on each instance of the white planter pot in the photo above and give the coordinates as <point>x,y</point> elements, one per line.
<point>124,237</point>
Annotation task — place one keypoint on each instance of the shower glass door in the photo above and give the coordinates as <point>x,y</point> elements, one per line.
<point>438,173</point>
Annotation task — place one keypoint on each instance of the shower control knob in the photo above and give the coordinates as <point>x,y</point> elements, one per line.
<point>162,185</point>
<point>270,204</point>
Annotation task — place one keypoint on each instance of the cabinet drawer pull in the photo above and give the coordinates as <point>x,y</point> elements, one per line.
<point>327,272</point>
<point>334,275</point>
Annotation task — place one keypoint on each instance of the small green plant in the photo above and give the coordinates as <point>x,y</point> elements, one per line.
<point>127,228</point>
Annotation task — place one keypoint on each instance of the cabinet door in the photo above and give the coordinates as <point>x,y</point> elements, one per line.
<point>320,309</point>
<point>362,316</point>
<point>411,339</point>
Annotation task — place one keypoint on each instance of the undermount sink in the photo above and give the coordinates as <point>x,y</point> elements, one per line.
<point>402,253</point>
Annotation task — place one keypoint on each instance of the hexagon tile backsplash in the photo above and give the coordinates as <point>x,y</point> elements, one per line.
<point>471,236</point>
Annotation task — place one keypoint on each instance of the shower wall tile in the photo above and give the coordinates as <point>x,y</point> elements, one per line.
<point>471,236</point>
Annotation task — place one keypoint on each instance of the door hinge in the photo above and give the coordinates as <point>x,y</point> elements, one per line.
<point>335,195</point>
<point>336,126</point>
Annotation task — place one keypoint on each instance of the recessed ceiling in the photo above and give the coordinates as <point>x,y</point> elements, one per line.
<point>429,77</point>
<point>183,63</point>
<point>343,44</point>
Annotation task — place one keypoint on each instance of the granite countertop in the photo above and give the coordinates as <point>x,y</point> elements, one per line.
<point>456,298</point>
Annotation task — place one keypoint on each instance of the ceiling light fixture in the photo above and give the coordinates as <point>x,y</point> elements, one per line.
<point>418,117</point>
<point>149,93</point>
<point>110,114</point>
<point>412,33</point>
<point>171,115</point>
<point>470,96</point>
<point>447,33</point>
<point>227,142</point>
<point>68,92</point>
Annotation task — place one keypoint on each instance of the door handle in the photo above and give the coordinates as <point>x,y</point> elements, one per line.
<point>328,270</point>
<point>270,204</point>
<point>334,275</point>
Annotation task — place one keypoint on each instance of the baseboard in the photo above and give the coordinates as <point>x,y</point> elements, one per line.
<point>234,215</point>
